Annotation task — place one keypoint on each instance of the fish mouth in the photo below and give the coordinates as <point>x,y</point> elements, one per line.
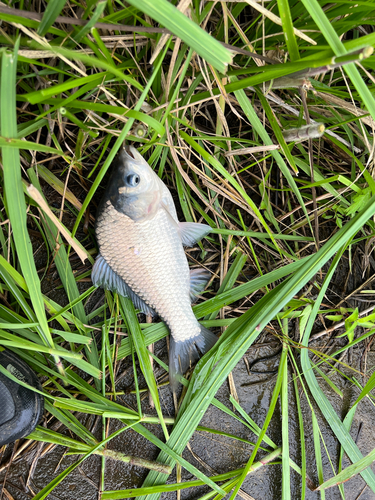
<point>130,153</point>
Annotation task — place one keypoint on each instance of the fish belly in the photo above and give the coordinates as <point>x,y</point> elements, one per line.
<point>150,258</point>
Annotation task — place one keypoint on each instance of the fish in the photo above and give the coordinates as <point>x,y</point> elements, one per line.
<point>141,256</point>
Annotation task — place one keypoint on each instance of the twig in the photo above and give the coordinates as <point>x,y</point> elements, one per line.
<point>276,99</point>
<point>139,462</point>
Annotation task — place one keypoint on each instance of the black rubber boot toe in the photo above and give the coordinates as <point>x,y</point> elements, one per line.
<point>20,409</point>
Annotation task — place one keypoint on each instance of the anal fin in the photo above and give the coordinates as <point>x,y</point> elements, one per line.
<point>103,275</point>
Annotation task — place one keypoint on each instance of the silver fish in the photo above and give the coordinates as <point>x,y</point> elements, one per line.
<point>142,256</point>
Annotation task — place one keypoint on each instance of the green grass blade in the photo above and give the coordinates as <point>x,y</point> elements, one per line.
<point>54,7</point>
<point>231,276</point>
<point>175,457</point>
<point>349,472</point>
<point>143,355</point>
<point>66,275</point>
<point>317,449</point>
<point>100,6</point>
<point>277,131</point>
<point>302,437</point>
<point>287,24</point>
<point>31,146</point>
<point>251,424</point>
<point>180,25</point>
<point>106,108</point>
<point>285,491</point>
<point>50,436</point>
<point>16,205</point>
<point>61,258</point>
<point>41,95</point>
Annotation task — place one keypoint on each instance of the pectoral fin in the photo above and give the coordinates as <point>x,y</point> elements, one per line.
<point>102,275</point>
<point>191,232</point>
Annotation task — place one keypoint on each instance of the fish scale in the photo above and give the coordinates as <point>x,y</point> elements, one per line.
<point>152,263</point>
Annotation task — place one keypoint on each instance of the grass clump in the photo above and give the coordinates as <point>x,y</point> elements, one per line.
<point>260,119</point>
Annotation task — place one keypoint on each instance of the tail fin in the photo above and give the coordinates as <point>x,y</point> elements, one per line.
<point>184,354</point>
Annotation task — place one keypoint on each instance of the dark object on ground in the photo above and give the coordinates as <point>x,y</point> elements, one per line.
<point>265,358</point>
<point>20,408</point>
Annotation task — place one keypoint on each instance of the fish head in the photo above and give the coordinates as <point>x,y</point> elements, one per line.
<point>135,189</point>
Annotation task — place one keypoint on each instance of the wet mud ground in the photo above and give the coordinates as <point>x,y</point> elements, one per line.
<point>210,453</point>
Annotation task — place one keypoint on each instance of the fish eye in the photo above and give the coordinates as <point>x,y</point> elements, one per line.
<point>132,180</point>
